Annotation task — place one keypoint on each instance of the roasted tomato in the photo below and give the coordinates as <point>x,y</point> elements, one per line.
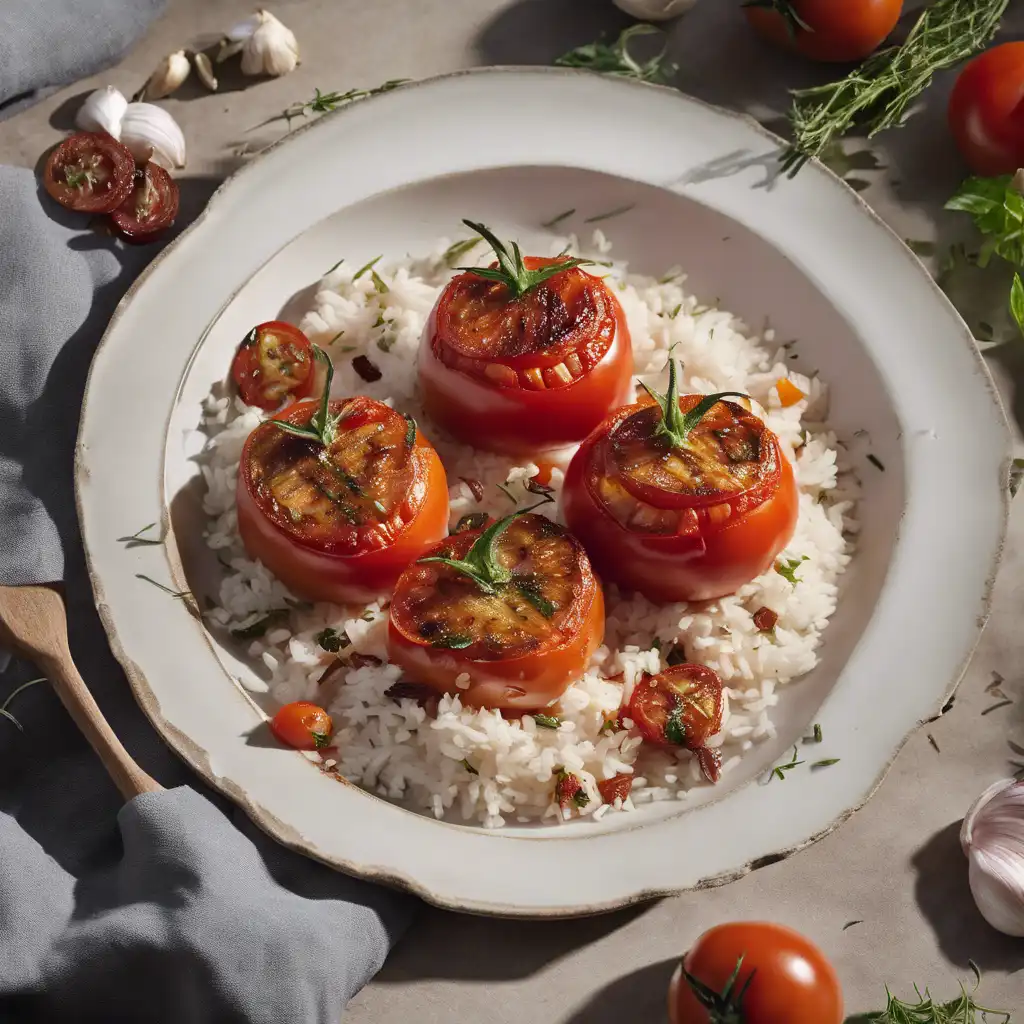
<point>826,30</point>
<point>151,208</point>
<point>755,973</point>
<point>505,617</point>
<point>302,725</point>
<point>525,356</point>
<point>90,172</point>
<point>336,499</point>
<point>618,787</point>
<point>681,707</point>
<point>683,498</point>
<point>274,362</point>
<point>985,112</point>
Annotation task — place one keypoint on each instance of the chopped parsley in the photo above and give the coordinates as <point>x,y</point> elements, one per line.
<point>547,721</point>
<point>331,640</point>
<point>675,727</point>
<point>368,266</point>
<point>452,641</point>
<point>787,568</point>
<point>827,763</point>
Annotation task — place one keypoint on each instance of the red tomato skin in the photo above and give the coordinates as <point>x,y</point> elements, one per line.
<point>844,30</point>
<point>295,723</point>
<point>793,982</point>
<point>515,421</point>
<point>316,575</point>
<point>121,183</point>
<point>493,684</point>
<point>985,115</point>
<point>679,568</point>
<point>143,232</point>
<point>246,361</point>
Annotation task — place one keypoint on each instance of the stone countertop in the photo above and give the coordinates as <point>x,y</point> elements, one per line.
<point>895,868</point>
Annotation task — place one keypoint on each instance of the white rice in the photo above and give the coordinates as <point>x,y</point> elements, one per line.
<point>396,749</point>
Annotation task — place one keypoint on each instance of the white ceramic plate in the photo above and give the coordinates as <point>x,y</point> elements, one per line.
<point>392,175</point>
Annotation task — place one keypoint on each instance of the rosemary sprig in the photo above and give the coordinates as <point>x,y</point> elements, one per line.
<point>137,540</point>
<point>779,771</point>
<point>511,271</point>
<point>323,426</point>
<point>615,59</point>
<point>961,1010</point>
<point>324,102</point>
<point>786,11</point>
<point>877,94</point>
<point>5,713</point>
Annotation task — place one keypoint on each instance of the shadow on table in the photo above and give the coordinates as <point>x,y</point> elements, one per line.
<point>639,996</point>
<point>944,896</point>
<point>463,948</point>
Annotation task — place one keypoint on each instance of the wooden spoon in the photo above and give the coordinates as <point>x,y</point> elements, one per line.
<point>34,623</point>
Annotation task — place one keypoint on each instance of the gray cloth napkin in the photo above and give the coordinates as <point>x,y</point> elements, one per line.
<point>174,908</point>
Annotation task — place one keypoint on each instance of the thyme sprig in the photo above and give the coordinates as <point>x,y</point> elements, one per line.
<point>324,102</point>
<point>964,1009</point>
<point>323,425</point>
<point>877,94</point>
<point>615,59</point>
<point>511,270</point>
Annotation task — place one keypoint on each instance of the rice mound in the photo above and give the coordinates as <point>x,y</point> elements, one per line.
<point>473,765</point>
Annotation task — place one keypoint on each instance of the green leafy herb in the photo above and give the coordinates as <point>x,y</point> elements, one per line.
<point>511,270</point>
<point>675,312</point>
<point>530,589</point>
<point>779,771</point>
<point>320,739</point>
<point>787,568</point>
<point>331,640</point>
<point>335,267</point>
<point>878,93</point>
<point>725,1006</point>
<point>1016,476</point>
<point>547,721</point>
<point>876,462</point>
<point>826,763</point>
<point>260,626</point>
<point>457,250</point>
<point>618,211</point>
<point>786,11</point>
<point>366,267</point>
<point>324,102</point>
<point>580,798</point>
<point>615,59</point>
<point>961,1010</point>
<point>4,708</point>
<point>818,734</point>
<point>450,641</point>
<point>555,221</point>
<point>180,594</point>
<point>379,283</point>
<point>675,727</point>
<point>469,768</point>
<point>323,426</point>
<point>136,539</point>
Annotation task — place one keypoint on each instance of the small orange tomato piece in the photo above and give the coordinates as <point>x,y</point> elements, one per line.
<point>302,725</point>
<point>789,393</point>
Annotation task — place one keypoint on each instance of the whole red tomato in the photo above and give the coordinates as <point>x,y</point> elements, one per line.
<point>525,374</point>
<point>985,113</point>
<point>681,522</point>
<point>515,636</point>
<point>827,30</point>
<point>340,522</point>
<point>782,979</point>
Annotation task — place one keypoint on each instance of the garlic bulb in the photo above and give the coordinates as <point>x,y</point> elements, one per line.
<point>168,76</point>
<point>654,10</point>
<point>992,837</point>
<point>152,134</point>
<point>102,112</point>
<point>268,46</point>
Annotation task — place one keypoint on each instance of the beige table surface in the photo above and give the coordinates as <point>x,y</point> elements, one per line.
<point>896,866</point>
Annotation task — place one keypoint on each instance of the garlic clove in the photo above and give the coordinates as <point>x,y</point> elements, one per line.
<point>992,837</point>
<point>271,49</point>
<point>150,133</point>
<point>654,10</point>
<point>204,69</point>
<point>102,111</point>
<point>170,73</point>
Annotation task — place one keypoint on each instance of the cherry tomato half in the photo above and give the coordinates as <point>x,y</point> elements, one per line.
<point>528,374</point>
<point>274,362</point>
<point>681,524</point>
<point>985,114</point>
<point>90,172</point>
<point>151,208</point>
<point>837,30</point>
<point>783,979</point>
<point>302,725</point>
<point>340,523</point>
<point>518,647</point>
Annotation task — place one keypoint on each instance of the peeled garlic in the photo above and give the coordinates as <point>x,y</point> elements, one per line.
<point>204,69</point>
<point>152,134</point>
<point>102,112</point>
<point>992,837</point>
<point>168,76</point>
<point>654,10</point>
<point>268,46</point>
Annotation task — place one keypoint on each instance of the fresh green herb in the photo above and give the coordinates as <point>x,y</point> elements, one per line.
<point>530,589</point>
<point>457,250</point>
<point>580,798</point>
<point>5,707</point>
<point>787,569</point>
<point>826,763</point>
<point>450,641</point>
<point>961,1010</point>
<point>611,724</point>
<point>511,270</point>
<point>366,267</point>
<point>379,283</point>
<point>818,734</point>
<point>1016,476</point>
<point>508,493</point>
<point>779,771</point>
<point>335,267</point>
<point>469,768</point>
<point>547,721</point>
<point>331,640</point>
<point>555,221</point>
<point>260,626</point>
<point>615,59</point>
<point>76,177</point>
<point>410,430</point>
<point>320,739</point>
<point>850,924</point>
<point>876,462</point>
<point>878,93</point>
<point>675,312</point>
<point>618,211</point>
<point>675,727</point>
<point>786,11</point>
<point>324,102</point>
<point>180,594</point>
<point>323,426</point>
<point>727,1005</point>
<point>136,539</point>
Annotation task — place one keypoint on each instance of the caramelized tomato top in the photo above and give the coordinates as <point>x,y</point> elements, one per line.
<point>541,606</point>
<point>548,337</point>
<point>355,494</point>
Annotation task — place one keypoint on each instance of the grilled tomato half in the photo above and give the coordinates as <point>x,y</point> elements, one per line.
<point>526,355</point>
<point>505,616</point>
<point>682,498</point>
